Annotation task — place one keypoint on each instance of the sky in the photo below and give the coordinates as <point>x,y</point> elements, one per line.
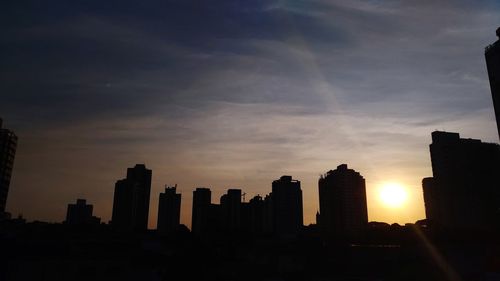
<point>234,94</point>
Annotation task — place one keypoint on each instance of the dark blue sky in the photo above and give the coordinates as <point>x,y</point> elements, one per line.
<point>236,93</point>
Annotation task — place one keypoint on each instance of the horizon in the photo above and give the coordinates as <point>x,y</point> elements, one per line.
<point>237,95</point>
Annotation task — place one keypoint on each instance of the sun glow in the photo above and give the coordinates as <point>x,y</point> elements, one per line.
<point>393,195</point>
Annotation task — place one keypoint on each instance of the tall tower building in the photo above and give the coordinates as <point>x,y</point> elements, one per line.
<point>287,206</point>
<point>131,200</point>
<point>255,215</point>
<point>433,209</point>
<point>8,144</point>
<point>464,191</point>
<point>342,203</point>
<point>201,215</point>
<point>492,54</point>
<point>169,210</point>
<point>231,210</point>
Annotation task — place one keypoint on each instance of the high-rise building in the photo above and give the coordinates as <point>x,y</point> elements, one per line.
<point>231,210</point>
<point>169,210</point>
<point>287,206</point>
<point>432,208</point>
<point>492,54</point>
<point>342,203</point>
<point>8,144</point>
<point>201,214</point>
<point>255,215</point>
<point>464,191</point>
<point>268,221</point>
<point>131,200</point>
<point>81,214</point>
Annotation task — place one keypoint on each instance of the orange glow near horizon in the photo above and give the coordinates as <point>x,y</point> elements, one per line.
<point>397,200</point>
<point>393,195</point>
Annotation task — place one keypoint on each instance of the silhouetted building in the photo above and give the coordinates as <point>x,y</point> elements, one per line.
<point>201,215</point>
<point>81,214</point>
<point>169,210</point>
<point>231,210</point>
<point>432,208</point>
<point>464,192</point>
<point>131,200</point>
<point>492,54</point>
<point>8,144</point>
<point>254,214</point>
<point>342,203</point>
<point>268,222</point>
<point>215,221</point>
<point>287,206</point>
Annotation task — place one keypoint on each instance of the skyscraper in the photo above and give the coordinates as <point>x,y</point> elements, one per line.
<point>492,54</point>
<point>254,215</point>
<point>268,210</point>
<point>81,213</point>
<point>8,144</point>
<point>169,210</point>
<point>342,203</point>
<point>131,200</point>
<point>202,198</point>
<point>287,206</point>
<point>231,210</point>
<point>464,191</point>
<point>433,209</point>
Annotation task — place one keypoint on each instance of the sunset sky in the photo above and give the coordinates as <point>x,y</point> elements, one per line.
<point>234,94</point>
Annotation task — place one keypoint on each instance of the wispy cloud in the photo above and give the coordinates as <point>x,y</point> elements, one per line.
<point>236,93</point>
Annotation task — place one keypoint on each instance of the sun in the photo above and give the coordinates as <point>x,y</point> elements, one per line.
<point>393,195</point>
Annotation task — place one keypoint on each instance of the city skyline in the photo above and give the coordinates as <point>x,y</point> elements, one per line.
<point>296,94</point>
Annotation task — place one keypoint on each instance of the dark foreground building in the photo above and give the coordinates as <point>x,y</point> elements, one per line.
<point>81,214</point>
<point>464,192</point>
<point>169,210</point>
<point>287,207</point>
<point>131,200</point>
<point>342,203</point>
<point>8,144</point>
<point>200,222</point>
<point>492,54</point>
<point>231,208</point>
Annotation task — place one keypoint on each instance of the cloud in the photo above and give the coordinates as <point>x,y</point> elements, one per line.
<point>236,93</point>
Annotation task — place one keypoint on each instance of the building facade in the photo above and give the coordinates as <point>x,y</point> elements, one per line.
<point>342,203</point>
<point>231,210</point>
<point>287,213</point>
<point>202,210</point>
<point>464,192</point>
<point>8,145</point>
<point>81,214</point>
<point>131,200</point>
<point>169,210</point>
<point>254,212</point>
<point>492,55</point>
